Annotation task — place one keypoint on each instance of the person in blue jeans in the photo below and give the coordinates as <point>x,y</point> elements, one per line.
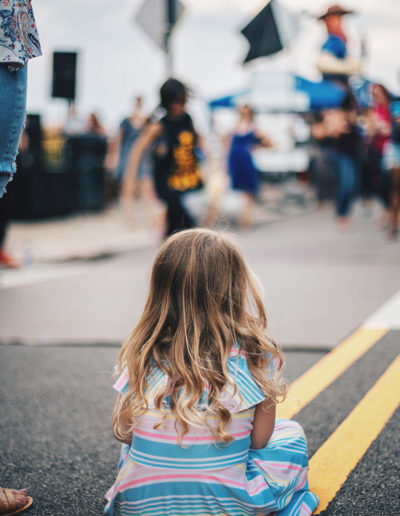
<point>19,42</point>
<point>12,117</point>
<point>347,159</point>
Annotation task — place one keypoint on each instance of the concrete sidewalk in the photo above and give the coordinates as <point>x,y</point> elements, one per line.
<point>122,228</point>
<point>91,236</point>
<point>80,237</point>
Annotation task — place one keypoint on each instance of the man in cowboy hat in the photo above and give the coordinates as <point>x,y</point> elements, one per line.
<point>334,63</point>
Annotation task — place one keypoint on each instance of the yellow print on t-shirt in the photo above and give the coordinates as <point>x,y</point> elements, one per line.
<point>186,174</point>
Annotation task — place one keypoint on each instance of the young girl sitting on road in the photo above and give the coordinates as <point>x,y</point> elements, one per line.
<point>197,395</point>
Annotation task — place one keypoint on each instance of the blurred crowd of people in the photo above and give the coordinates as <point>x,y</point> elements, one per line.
<point>354,154</point>
<point>356,146</point>
<point>357,154</point>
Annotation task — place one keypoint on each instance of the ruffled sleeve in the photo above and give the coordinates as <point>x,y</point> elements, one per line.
<point>248,393</point>
<point>122,384</point>
<point>156,381</point>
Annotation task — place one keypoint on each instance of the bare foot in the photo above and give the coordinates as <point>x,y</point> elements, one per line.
<point>20,498</point>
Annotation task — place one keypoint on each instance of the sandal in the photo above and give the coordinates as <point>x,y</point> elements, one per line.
<point>11,506</point>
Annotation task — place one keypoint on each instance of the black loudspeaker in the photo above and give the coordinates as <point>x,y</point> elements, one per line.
<point>64,75</point>
<point>84,157</point>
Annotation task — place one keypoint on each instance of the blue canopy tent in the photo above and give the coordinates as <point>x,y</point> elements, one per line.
<point>228,101</point>
<point>322,95</point>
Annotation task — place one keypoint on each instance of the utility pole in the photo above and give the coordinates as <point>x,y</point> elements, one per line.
<point>171,16</point>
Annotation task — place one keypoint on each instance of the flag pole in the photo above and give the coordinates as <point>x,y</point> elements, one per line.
<point>171,15</point>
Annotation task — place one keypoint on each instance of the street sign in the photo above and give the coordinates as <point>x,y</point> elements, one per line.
<point>153,17</point>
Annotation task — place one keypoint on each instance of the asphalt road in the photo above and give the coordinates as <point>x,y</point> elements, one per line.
<point>56,438</point>
<point>55,424</point>
<point>372,488</point>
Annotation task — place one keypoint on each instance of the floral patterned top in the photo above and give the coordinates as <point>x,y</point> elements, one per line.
<point>19,39</point>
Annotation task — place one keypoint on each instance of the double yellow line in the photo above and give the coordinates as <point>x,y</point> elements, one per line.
<point>337,457</point>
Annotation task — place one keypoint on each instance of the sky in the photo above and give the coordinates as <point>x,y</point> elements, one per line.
<point>117,60</point>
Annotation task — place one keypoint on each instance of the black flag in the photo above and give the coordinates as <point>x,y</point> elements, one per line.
<point>270,31</point>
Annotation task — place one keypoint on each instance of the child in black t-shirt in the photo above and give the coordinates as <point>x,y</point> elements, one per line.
<point>176,171</point>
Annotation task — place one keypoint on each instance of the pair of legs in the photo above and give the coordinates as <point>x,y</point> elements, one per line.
<point>178,218</point>
<point>346,173</point>
<point>247,216</point>
<point>5,207</point>
<point>12,117</point>
<point>6,204</point>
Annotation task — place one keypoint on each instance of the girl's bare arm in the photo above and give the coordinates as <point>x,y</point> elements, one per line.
<point>125,433</point>
<point>263,424</point>
<point>149,134</point>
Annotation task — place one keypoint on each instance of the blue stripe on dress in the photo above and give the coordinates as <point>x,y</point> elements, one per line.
<point>171,451</point>
<point>247,387</point>
<point>168,462</point>
<point>182,506</point>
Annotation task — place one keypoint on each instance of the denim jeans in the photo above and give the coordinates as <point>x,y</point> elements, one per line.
<point>12,118</point>
<point>346,173</point>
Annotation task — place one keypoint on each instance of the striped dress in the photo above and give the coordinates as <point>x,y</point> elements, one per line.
<point>157,476</point>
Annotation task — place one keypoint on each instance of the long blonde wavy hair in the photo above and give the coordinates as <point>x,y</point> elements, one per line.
<point>203,299</point>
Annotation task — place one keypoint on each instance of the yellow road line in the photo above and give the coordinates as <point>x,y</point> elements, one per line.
<point>324,372</point>
<point>337,457</point>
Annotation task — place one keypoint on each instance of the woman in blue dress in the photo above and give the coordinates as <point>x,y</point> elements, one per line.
<point>244,176</point>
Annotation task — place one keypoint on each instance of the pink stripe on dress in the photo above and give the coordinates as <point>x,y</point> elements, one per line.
<point>175,477</point>
<point>302,483</point>
<point>122,380</point>
<point>279,465</point>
